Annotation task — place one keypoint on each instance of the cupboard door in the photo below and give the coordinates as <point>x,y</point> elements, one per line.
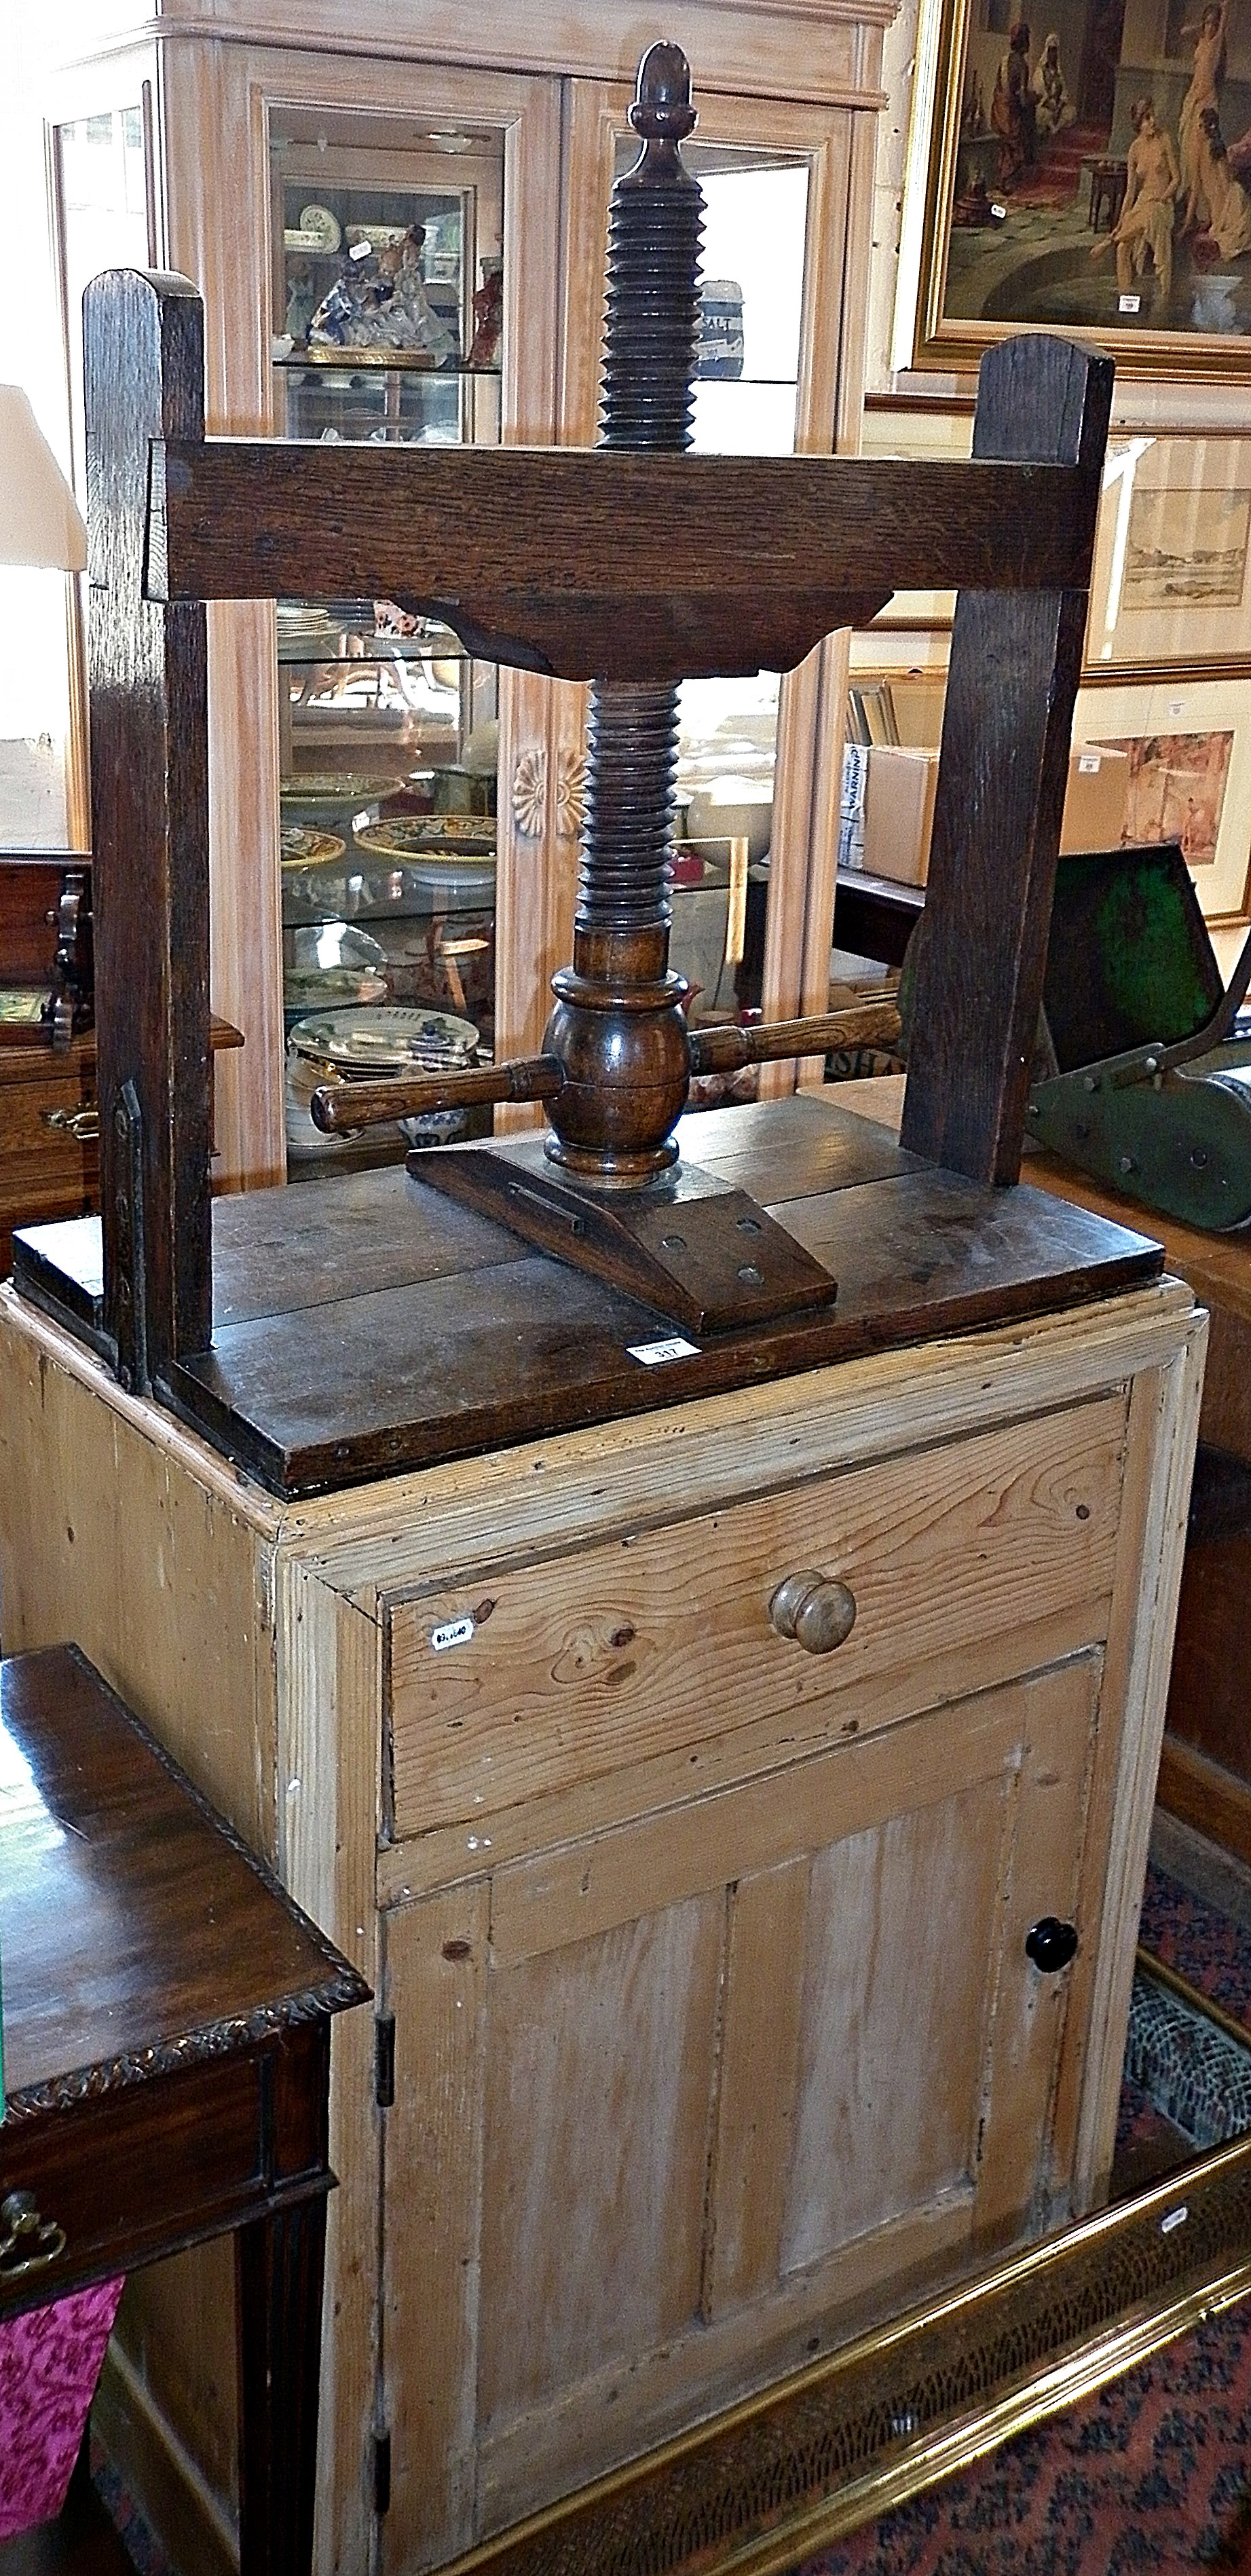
<point>673,2113</point>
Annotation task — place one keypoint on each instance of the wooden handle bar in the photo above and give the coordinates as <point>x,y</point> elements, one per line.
<point>338,1108</point>
<point>724,1050</point>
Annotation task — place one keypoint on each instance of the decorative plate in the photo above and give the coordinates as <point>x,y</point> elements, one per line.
<point>451,836</point>
<point>381,1039</point>
<point>307,988</point>
<point>304,847</point>
<point>378,236</point>
<point>319,220</point>
<point>337,787</point>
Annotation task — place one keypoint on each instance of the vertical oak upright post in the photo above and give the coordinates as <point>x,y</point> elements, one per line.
<point>144,378</point>
<point>1015,663</point>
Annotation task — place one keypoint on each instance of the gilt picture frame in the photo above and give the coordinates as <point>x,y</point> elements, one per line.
<point>1183,747</point>
<point>1040,194</point>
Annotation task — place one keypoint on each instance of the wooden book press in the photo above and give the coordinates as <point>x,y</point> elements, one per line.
<point>634,565</point>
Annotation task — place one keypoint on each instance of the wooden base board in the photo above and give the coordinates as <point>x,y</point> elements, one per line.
<point>1205,1795</point>
<point>158,2473</point>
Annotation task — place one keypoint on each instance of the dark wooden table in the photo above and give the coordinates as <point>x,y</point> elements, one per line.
<point>167,2056</point>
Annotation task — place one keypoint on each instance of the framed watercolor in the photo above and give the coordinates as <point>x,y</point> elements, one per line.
<point>1186,750</point>
<point>1089,173</point>
<point>1172,573</point>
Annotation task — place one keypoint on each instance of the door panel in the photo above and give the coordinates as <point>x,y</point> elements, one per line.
<point>714,2090</point>
<point>889,2077</point>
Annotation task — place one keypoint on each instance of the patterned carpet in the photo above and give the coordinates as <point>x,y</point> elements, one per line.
<point>1153,2473</point>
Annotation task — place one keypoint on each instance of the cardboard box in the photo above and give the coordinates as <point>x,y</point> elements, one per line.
<point>1094,807</point>
<point>899,807</point>
<point>899,813</point>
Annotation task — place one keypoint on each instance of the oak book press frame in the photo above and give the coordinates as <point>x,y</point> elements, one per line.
<point>630,567</point>
<point>636,570</point>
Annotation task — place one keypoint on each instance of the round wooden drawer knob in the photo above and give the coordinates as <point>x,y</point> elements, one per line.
<point>815,1609</point>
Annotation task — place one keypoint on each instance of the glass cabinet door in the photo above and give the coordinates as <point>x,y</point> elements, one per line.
<point>774,179</point>
<point>389,307</point>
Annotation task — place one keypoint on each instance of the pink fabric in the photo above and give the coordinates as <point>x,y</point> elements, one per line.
<point>50,2360</point>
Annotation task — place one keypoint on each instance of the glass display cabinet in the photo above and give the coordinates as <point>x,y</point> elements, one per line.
<point>389,294</point>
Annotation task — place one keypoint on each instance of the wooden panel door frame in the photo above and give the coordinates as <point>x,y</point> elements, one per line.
<point>483,1968</point>
<point>838,144</point>
<point>216,104</point>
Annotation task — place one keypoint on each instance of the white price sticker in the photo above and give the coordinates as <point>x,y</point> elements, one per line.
<point>999,213</point>
<point>360,250</point>
<point>1129,303</point>
<point>1089,764</point>
<point>652,1354</point>
<point>457,1633</point>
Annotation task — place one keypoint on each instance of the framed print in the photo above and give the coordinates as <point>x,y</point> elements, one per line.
<point>1088,172</point>
<point>1182,757</point>
<point>1172,572</point>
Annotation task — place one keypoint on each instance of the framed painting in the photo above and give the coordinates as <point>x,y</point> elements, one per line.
<point>1172,573</point>
<point>1181,755</point>
<point>1091,173</point>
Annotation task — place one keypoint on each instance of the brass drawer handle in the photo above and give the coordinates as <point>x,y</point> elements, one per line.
<point>28,2243</point>
<point>82,1124</point>
<point>815,1609</point>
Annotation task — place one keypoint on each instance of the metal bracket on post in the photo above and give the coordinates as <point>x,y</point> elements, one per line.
<point>132,1304</point>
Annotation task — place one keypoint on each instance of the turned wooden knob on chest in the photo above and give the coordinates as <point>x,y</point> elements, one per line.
<point>815,1609</point>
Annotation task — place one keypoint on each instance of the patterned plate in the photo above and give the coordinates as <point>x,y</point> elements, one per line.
<point>463,837</point>
<point>304,847</point>
<point>304,988</point>
<point>336,787</point>
<point>385,1040</point>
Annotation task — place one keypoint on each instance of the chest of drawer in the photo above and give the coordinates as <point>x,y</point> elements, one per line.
<point>520,1679</point>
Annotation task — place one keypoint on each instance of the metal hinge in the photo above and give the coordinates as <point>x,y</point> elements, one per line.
<point>384,2060</point>
<point>382,2473</point>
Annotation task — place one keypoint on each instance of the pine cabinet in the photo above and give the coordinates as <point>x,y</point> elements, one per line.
<point>709,2030</point>
<point>199,150</point>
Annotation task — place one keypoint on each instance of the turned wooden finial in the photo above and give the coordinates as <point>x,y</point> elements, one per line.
<point>662,97</point>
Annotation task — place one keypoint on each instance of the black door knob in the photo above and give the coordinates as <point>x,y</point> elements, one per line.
<point>1051,1944</point>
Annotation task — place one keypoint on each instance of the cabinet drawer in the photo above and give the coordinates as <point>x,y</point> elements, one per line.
<point>126,2174</point>
<point>520,1680</point>
<point>46,1170</point>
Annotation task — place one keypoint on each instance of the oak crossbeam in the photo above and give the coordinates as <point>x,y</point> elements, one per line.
<point>728,563</point>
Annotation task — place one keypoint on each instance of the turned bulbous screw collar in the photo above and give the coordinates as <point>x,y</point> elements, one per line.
<point>662,103</point>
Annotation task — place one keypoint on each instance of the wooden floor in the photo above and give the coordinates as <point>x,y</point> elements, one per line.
<point>367,1323</point>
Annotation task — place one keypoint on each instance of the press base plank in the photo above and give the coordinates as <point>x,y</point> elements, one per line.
<point>367,1326</point>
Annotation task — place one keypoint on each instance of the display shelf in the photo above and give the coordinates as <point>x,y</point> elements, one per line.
<point>387,362</point>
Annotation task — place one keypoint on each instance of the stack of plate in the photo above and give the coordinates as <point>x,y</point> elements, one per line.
<point>369,1045</point>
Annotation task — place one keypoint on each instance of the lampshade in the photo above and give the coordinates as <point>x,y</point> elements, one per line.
<point>40,522</point>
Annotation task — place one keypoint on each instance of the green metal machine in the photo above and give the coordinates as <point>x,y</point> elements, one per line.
<point>1143,1077</point>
